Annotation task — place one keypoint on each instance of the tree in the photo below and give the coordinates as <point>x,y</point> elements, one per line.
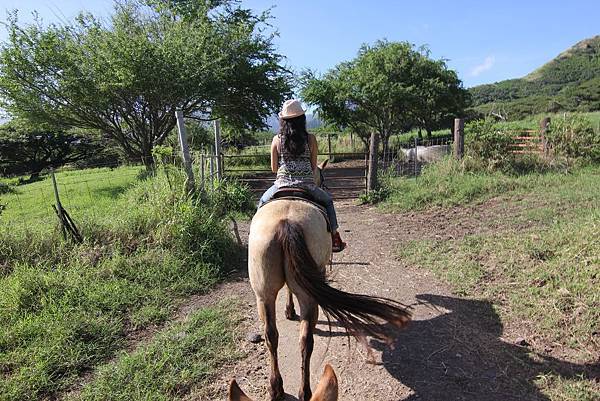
<point>27,149</point>
<point>126,78</point>
<point>441,95</point>
<point>383,90</point>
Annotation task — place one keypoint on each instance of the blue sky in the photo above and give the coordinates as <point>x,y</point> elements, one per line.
<point>483,41</point>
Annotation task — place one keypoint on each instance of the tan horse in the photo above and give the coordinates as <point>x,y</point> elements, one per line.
<point>289,245</point>
<point>327,389</point>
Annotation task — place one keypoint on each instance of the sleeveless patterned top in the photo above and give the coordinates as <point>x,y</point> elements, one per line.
<point>294,171</point>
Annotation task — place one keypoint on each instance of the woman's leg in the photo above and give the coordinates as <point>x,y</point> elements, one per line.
<point>325,198</point>
<point>267,195</point>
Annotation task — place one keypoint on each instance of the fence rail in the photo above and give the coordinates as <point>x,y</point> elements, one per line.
<point>346,177</point>
<point>527,141</point>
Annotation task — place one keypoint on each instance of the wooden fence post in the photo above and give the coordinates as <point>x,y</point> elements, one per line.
<point>329,147</point>
<point>373,156</point>
<point>459,138</point>
<point>59,208</point>
<point>202,163</point>
<point>416,156</point>
<point>544,125</point>
<point>211,170</point>
<point>185,152</point>
<point>218,149</point>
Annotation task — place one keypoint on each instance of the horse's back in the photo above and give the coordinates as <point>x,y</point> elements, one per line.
<point>265,258</point>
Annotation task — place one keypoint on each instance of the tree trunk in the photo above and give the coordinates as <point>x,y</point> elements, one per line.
<point>147,159</point>
<point>373,160</point>
<point>385,139</point>
<point>428,133</point>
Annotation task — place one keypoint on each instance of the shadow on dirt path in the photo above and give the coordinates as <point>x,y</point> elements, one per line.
<point>455,348</point>
<point>460,355</point>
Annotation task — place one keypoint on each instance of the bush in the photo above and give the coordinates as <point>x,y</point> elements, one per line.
<point>65,307</point>
<point>574,137</point>
<point>486,141</point>
<point>6,189</point>
<point>231,197</point>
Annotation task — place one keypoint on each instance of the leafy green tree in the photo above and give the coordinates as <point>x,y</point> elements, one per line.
<point>388,88</point>
<point>127,77</point>
<point>27,149</point>
<point>441,95</point>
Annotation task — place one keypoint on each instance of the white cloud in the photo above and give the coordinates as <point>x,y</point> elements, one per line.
<point>487,64</point>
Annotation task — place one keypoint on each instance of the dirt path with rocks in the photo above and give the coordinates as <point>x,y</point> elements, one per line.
<point>454,349</point>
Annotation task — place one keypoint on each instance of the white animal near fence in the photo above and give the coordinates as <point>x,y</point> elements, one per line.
<point>426,154</point>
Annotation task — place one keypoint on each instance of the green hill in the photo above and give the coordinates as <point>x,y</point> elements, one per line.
<point>570,82</point>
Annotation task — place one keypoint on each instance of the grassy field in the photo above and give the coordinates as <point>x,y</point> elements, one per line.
<point>88,192</point>
<point>177,361</point>
<point>539,262</point>
<point>66,308</point>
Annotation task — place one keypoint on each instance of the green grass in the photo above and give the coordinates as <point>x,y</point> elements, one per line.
<point>538,261</point>
<point>82,192</point>
<point>65,307</point>
<point>448,183</point>
<point>176,361</point>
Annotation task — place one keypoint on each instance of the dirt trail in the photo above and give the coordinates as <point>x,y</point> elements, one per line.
<point>455,348</point>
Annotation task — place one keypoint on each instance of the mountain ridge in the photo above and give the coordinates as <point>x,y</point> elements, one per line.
<point>569,82</point>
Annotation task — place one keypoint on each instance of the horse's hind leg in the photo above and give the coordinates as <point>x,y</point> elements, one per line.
<point>266,310</point>
<point>309,315</point>
<point>290,312</point>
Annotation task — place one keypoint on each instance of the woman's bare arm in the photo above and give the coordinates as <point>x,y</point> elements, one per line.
<point>274,154</point>
<point>314,150</point>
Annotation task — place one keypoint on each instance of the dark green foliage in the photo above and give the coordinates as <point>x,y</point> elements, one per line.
<point>388,88</point>
<point>6,188</point>
<point>570,82</point>
<point>29,149</point>
<point>232,196</point>
<point>126,77</point>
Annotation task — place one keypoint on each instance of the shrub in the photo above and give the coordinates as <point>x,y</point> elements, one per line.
<point>486,141</point>
<point>65,307</point>
<point>574,137</point>
<point>6,189</point>
<point>230,197</point>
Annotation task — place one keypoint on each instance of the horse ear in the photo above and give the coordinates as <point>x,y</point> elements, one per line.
<point>323,164</point>
<point>236,393</point>
<point>327,389</point>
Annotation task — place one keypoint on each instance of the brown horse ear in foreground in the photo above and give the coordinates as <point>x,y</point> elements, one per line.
<point>327,389</point>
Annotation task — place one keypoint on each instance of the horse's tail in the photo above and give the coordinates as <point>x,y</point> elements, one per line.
<point>360,314</point>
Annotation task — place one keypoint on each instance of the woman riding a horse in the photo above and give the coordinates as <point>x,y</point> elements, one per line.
<point>294,159</point>
<point>289,245</point>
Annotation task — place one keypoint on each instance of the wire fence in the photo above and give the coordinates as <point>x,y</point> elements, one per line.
<point>81,191</point>
<point>407,159</point>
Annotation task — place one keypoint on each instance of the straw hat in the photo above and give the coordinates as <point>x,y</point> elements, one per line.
<point>290,109</point>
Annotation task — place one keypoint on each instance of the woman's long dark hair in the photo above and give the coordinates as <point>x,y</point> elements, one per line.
<point>293,134</point>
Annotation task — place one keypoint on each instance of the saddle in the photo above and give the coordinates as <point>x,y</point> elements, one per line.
<point>302,195</point>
